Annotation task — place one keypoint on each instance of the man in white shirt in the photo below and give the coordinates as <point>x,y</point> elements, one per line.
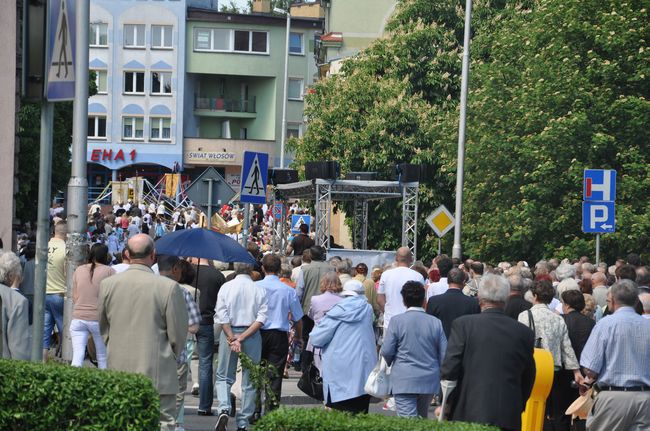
<point>389,296</point>
<point>241,310</point>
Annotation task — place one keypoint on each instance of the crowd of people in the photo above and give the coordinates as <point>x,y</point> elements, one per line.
<point>464,322</point>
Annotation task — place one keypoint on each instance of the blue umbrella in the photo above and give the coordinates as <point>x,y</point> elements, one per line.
<point>203,243</point>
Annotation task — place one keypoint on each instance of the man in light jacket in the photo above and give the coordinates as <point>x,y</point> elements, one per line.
<point>415,346</point>
<point>143,320</point>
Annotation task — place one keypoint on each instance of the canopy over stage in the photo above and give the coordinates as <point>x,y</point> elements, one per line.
<point>323,192</point>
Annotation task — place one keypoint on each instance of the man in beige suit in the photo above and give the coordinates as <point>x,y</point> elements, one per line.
<point>143,320</point>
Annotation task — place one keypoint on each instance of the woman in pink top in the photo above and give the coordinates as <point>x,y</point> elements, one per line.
<point>85,293</point>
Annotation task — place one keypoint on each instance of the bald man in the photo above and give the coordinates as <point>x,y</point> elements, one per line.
<point>143,320</point>
<point>389,296</point>
<point>600,289</point>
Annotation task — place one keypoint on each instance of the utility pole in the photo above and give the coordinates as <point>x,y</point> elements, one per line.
<point>460,167</point>
<point>42,228</point>
<point>78,185</point>
<point>285,85</point>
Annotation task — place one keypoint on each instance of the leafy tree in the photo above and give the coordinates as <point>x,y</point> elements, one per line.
<point>556,87</point>
<point>544,106</point>
<point>26,198</point>
<point>385,108</point>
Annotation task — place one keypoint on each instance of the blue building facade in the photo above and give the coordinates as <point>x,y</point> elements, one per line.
<point>135,122</point>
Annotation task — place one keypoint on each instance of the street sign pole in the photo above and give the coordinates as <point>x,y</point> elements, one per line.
<point>42,229</point>
<point>209,181</point>
<point>247,220</point>
<point>439,246</point>
<point>77,205</point>
<point>460,166</point>
<point>597,249</point>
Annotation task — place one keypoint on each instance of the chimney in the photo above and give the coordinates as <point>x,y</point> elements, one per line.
<point>261,6</point>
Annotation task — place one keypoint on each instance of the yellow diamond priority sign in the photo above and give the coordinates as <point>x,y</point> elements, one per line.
<point>441,221</point>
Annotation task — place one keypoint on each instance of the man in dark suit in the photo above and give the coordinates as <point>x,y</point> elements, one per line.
<point>516,303</point>
<point>491,357</point>
<point>453,303</point>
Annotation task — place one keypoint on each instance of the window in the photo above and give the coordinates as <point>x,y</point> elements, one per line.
<point>134,82</point>
<point>161,83</point>
<point>294,91</point>
<point>134,35</point>
<point>101,81</point>
<point>161,129</point>
<point>132,128</point>
<point>98,34</point>
<point>295,43</point>
<point>96,127</point>
<point>161,36</point>
<point>294,130</point>
<point>223,40</point>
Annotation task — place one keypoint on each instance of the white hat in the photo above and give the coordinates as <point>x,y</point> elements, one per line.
<point>353,288</point>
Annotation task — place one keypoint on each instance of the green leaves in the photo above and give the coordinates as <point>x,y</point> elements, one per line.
<point>285,419</point>
<point>53,397</point>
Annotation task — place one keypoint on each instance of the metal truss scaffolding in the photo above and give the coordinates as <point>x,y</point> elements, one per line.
<point>324,192</point>
<point>410,216</point>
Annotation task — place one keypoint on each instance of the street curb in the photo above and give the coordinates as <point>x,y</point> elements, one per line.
<point>293,400</point>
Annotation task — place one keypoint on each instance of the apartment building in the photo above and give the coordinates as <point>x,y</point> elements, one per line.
<point>235,82</point>
<point>135,121</point>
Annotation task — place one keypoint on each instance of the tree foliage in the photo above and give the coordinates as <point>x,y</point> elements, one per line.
<point>27,171</point>
<point>544,106</point>
<point>556,86</point>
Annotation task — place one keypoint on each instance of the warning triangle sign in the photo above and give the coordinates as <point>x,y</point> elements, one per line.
<point>254,183</point>
<point>298,223</point>
<point>61,64</point>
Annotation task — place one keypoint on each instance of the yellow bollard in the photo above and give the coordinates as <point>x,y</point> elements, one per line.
<point>532,419</point>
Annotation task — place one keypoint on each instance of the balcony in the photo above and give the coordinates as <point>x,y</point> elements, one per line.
<point>224,108</point>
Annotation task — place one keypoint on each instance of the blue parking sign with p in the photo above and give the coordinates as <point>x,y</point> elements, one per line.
<point>598,217</point>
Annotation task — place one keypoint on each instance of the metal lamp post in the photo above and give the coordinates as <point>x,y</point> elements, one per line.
<point>460,168</point>
<point>284,85</point>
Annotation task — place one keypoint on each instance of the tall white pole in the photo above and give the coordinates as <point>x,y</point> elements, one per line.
<point>42,228</point>
<point>285,86</point>
<point>77,205</point>
<point>460,169</point>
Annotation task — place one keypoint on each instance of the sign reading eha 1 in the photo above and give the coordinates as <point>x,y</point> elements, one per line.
<point>254,177</point>
<point>297,220</point>
<point>599,194</point>
<point>60,55</point>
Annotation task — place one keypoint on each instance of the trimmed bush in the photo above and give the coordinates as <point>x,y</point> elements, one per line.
<point>59,397</point>
<point>318,419</point>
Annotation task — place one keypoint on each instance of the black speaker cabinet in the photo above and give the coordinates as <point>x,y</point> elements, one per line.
<point>283,176</point>
<point>408,173</point>
<point>324,170</point>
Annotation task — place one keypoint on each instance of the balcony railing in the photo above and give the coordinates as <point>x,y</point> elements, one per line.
<point>227,105</point>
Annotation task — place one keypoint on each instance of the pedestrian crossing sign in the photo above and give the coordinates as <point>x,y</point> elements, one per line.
<point>297,220</point>
<point>60,52</point>
<point>254,178</point>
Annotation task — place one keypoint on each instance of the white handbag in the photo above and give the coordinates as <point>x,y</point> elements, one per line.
<point>378,382</point>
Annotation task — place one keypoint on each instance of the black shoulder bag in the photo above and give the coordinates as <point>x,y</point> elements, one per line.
<point>531,324</point>
<point>311,382</point>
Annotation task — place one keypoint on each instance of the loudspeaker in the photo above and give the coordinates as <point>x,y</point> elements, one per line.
<point>282,176</point>
<point>407,172</point>
<point>329,170</point>
<point>367,176</point>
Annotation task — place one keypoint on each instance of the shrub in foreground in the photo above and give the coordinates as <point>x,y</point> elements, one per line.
<point>317,419</point>
<point>57,397</point>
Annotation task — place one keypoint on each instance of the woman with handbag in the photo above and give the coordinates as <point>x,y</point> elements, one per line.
<point>414,346</point>
<point>85,294</point>
<point>551,334</point>
<point>349,354</point>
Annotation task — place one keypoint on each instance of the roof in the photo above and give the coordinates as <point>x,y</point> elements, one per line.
<point>332,36</point>
<point>208,15</point>
<point>343,190</point>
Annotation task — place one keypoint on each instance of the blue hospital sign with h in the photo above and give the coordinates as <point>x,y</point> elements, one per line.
<point>599,185</point>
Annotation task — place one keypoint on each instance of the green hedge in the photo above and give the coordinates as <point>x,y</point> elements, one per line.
<point>318,419</point>
<point>58,397</point>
